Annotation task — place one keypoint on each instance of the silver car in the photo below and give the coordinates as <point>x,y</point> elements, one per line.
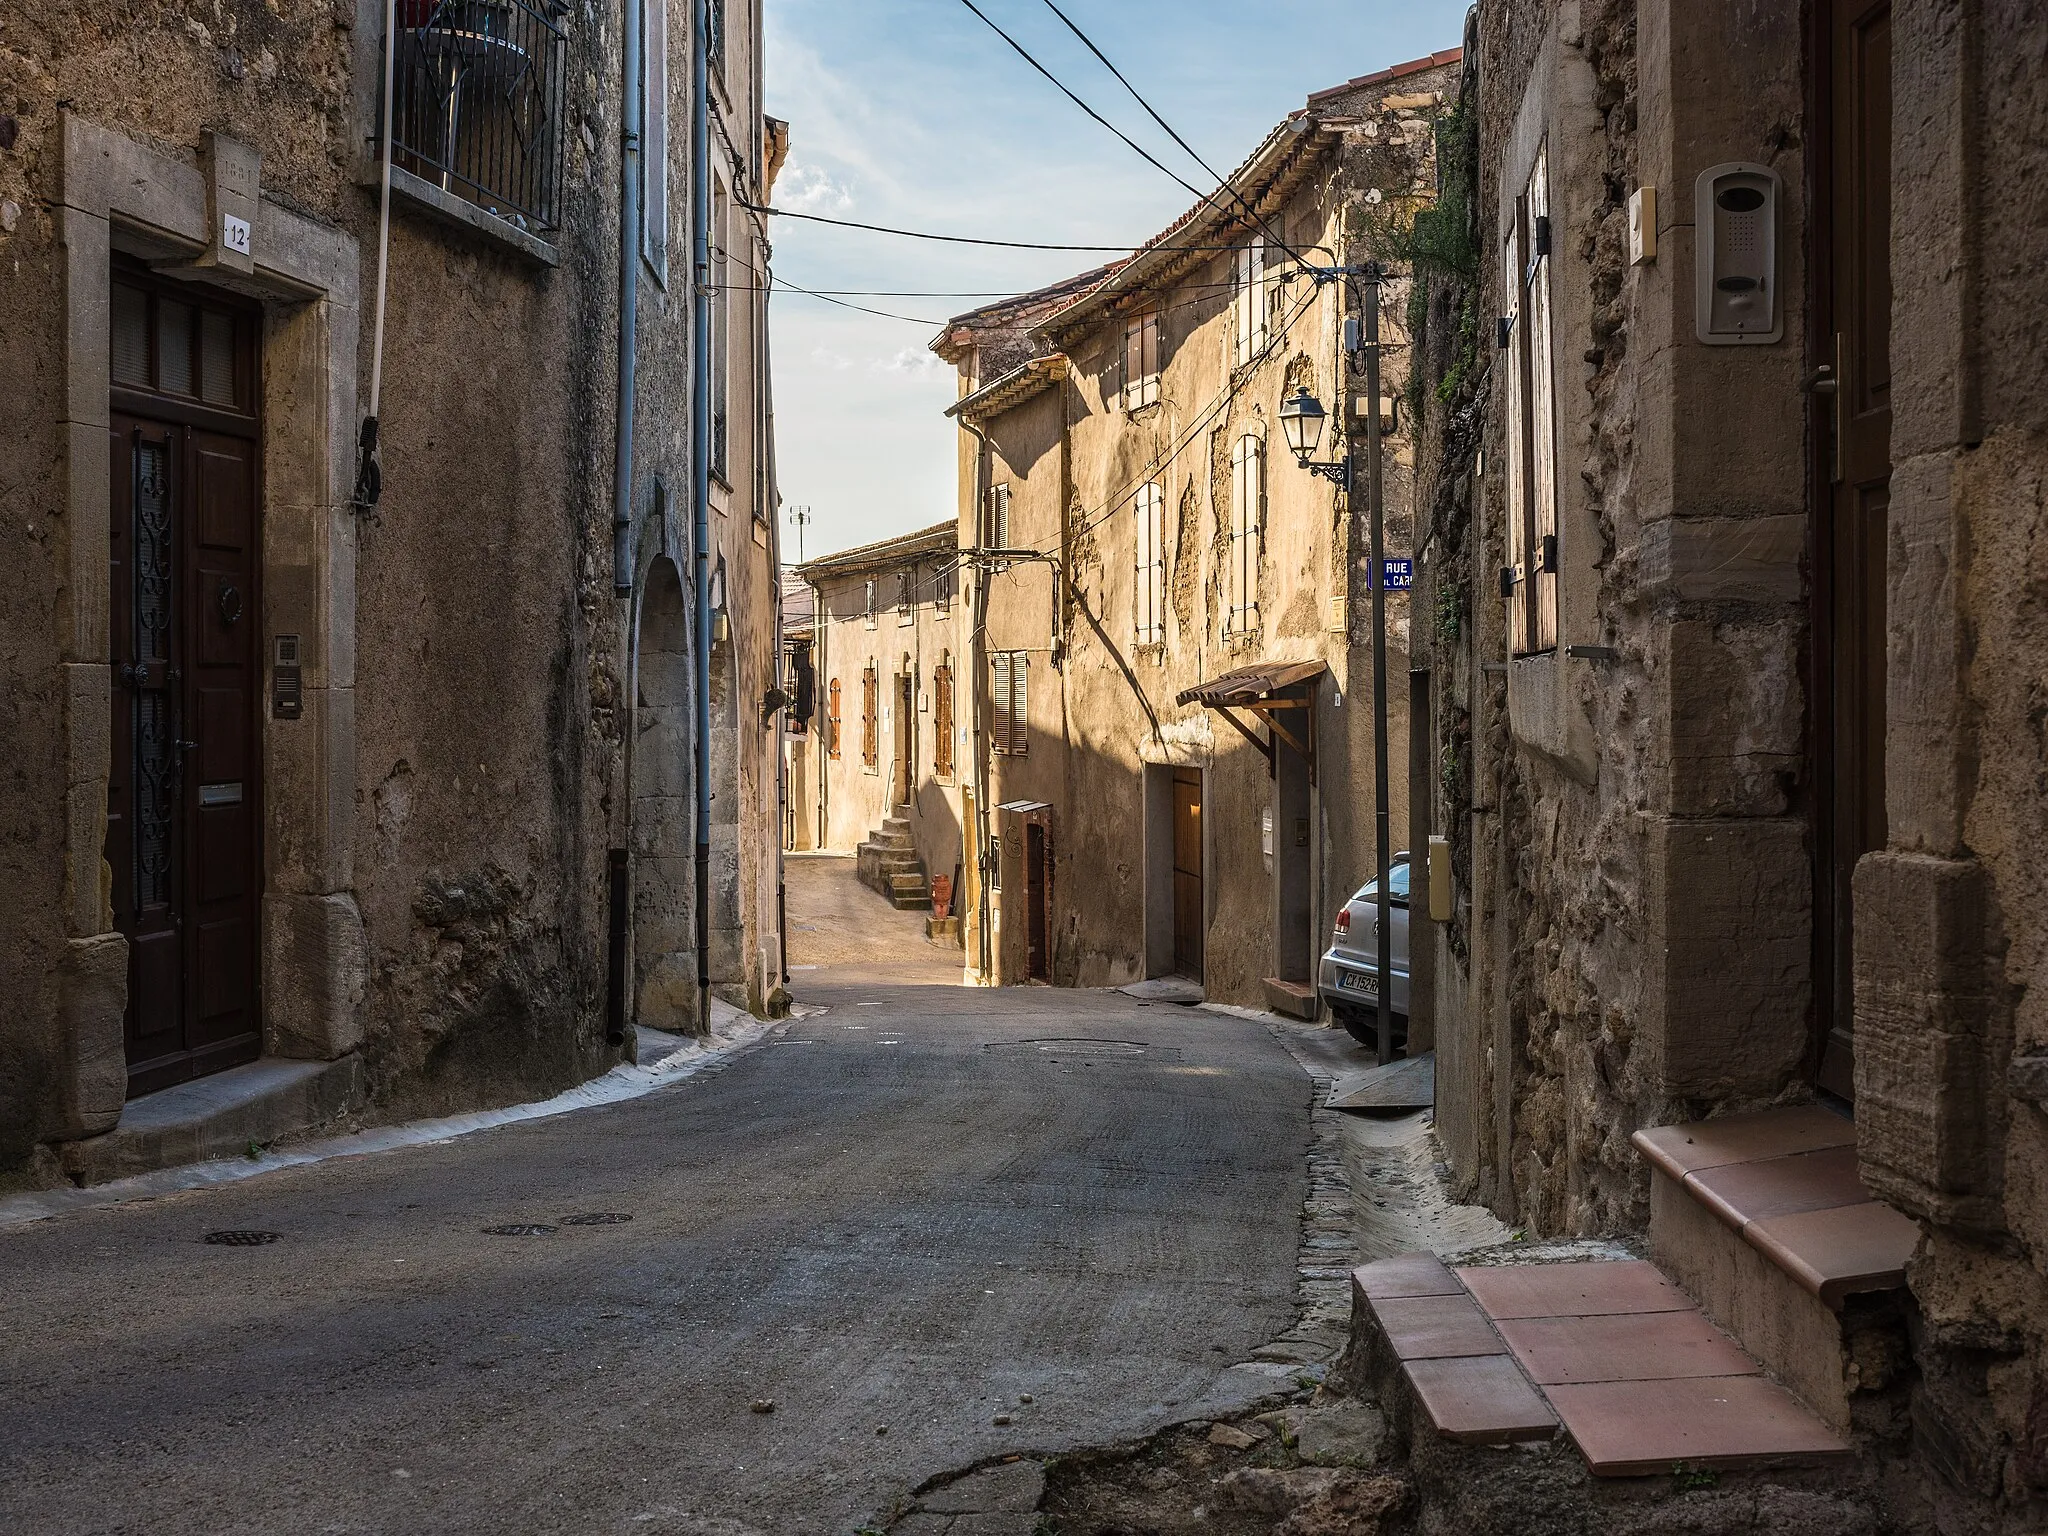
<point>1348,978</point>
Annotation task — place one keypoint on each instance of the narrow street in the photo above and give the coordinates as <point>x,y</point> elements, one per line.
<point>908,1217</point>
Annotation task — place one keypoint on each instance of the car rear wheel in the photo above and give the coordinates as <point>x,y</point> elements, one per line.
<point>1363,1024</point>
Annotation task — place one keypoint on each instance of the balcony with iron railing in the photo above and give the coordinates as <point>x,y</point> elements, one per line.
<point>478,113</point>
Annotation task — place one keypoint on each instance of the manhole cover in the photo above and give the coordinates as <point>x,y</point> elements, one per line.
<point>520,1229</point>
<point>598,1219</point>
<point>1084,1047</point>
<point>242,1239</point>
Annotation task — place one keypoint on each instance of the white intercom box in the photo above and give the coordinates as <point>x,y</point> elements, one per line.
<point>1735,229</point>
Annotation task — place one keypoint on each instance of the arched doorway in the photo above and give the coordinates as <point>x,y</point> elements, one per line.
<point>664,812</point>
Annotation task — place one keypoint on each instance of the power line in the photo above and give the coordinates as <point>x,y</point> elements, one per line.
<point>1222,182</point>
<point>784,283</point>
<point>1057,84</point>
<point>1008,245</point>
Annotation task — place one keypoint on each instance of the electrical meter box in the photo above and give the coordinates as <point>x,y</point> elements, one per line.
<point>1735,227</point>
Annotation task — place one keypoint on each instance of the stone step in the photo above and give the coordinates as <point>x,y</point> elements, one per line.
<point>1296,999</point>
<point>1611,1351</point>
<point>217,1116</point>
<point>1765,1222</point>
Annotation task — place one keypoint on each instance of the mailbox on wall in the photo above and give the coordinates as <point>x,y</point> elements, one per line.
<point>1735,275</point>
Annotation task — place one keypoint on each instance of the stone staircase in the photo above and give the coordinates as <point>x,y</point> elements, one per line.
<point>1775,1297</point>
<point>888,861</point>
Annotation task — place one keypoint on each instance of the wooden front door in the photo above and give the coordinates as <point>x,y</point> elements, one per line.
<point>183,795</point>
<point>1037,904</point>
<point>906,736</point>
<point>1187,872</point>
<point>1852,433</point>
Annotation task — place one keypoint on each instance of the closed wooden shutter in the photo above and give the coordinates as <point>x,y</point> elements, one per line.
<point>1148,606</point>
<point>1247,496</point>
<point>1542,419</point>
<point>832,723</point>
<point>1251,301</point>
<point>1001,700</point>
<point>942,718</point>
<point>1020,716</point>
<point>870,722</point>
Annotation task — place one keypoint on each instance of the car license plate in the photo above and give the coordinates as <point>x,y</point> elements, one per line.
<point>1354,981</point>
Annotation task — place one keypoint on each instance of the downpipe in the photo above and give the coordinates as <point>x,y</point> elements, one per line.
<point>700,471</point>
<point>977,658</point>
<point>629,304</point>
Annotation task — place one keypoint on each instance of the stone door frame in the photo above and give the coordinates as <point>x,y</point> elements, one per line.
<point>119,195</point>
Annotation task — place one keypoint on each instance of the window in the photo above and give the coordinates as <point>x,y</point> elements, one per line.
<point>832,721</point>
<point>1532,422</point>
<point>498,141</point>
<point>869,612</point>
<point>1251,301</point>
<point>1247,532</point>
<point>1012,715</point>
<point>714,36</point>
<point>906,596</point>
<point>1141,361</point>
<point>654,136</point>
<point>870,717</point>
<point>1148,604</point>
<point>995,518</point>
<point>942,717</point>
<point>945,581</point>
<point>721,332</point>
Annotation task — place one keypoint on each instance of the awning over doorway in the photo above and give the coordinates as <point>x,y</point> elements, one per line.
<point>1250,685</point>
<point>1259,689</point>
<point>1024,807</point>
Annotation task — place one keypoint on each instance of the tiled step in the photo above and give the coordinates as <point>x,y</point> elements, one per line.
<point>1613,1351</point>
<point>1296,999</point>
<point>1763,1219</point>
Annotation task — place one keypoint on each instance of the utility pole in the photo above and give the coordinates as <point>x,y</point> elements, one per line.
<point>800,518</point>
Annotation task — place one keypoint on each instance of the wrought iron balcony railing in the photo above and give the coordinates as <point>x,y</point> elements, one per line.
<point>479,101</point>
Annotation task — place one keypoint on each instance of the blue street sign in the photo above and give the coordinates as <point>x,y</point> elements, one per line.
<point>1400,574</point>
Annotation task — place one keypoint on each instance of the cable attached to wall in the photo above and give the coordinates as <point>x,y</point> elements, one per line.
<point>369,466</point>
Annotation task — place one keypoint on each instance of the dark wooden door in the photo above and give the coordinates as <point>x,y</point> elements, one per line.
<point>906,739</point>
<point>1853,439</point>
<point>184,619</point>
<point>1187,872</point>
<point>1037,905</point>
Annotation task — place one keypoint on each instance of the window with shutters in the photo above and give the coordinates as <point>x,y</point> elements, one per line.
<point>1531,575</point>
<point>942,717</point>
<point>870,717</point>
<point>906,596</point>
<point>721,333</point>
<point>1247,535</point>
<point>654,137</point>
<point>1251,301</point>
<point>1141,360</point>
<point>1148,605</point>
<point>995,518</point>
<point>868,611</point>
<point>945,583</point>
<point>832,721</point>
<point>1012,671</point>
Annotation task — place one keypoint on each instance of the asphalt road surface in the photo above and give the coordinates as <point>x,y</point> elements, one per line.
<point>909,1210</point>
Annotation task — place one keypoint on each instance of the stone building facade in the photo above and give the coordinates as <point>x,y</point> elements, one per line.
<point>886,742</point>
<point>1169,618</point>
<point>341,798</point>
<point>1730,615</point>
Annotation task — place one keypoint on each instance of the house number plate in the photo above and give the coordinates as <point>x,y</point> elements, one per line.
<point>234,234</point>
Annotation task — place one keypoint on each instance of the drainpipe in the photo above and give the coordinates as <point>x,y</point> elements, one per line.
<point>629,304</point>
<point>700,469</point>
<point>977,658</point>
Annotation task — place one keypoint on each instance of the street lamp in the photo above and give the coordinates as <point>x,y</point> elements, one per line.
<point>1302,419</point>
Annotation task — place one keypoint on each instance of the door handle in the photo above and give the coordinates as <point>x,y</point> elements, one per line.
<point>1827,380</point>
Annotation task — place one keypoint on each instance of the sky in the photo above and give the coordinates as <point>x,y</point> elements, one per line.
<point>914,113</point>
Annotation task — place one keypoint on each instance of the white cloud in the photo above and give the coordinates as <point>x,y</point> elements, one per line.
<point>811,189</point>
<point>917,363</point>
<point>825,357</point>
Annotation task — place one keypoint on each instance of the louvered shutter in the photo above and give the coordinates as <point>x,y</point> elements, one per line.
<point>1020,714</point>
<point>1542,423</point>
<point>1001,661</point>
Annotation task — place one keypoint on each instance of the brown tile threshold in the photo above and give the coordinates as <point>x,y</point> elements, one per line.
<point>1688,1148</point>
<point>1640,1428</point>
<point>1573,1290</point>
<point>1480,1400</point>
